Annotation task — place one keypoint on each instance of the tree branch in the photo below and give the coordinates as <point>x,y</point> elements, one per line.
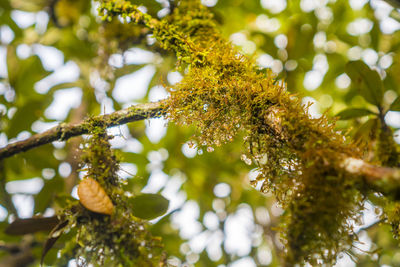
<point>64,131</point>
<point>371,172</point>
<point>393,3</point>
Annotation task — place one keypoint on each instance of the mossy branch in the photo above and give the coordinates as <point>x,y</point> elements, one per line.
<point>393,3</point>
<point>384,179</point>
<point>126,10</point>
<point>371,172</point>
<point>64,131</point>
<point>316,174</point>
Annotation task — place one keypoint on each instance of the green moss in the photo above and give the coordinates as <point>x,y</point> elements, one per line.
<point>295,154</point>
<point>387,150</point>
<point>392,216</point>
<point>117,240</point>
<point>299,158</point>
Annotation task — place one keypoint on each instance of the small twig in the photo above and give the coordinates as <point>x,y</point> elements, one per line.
<point>52,13</point>
<point>393,3</point>
<point>6,197</point>
<point>171,5</point>
<point>65,131</point>
<point>371,172</point>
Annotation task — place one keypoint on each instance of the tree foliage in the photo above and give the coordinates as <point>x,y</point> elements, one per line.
<point>243,141</point>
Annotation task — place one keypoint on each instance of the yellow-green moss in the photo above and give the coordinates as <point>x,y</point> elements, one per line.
<point>117,240</point>
<point>223,93</point>
<point>387,153</point>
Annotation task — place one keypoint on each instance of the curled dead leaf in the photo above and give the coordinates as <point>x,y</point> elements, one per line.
<point>93,197</point>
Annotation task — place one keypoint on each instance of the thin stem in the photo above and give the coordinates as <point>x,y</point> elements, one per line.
<point>393,3</point>
<point>371,172</point>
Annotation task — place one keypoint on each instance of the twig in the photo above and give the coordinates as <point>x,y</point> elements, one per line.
<point>65,131</point>
<point>171,6</point>
<point>52,13</point>
<point>371,172</point>
<point>73,155</point>
<point>393,3</point>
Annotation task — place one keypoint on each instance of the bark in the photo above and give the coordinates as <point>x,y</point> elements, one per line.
<point>65,131</point>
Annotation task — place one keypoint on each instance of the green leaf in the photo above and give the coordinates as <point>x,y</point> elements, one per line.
<point>125,70</point>
<point>30,164</point>
<point>78,83</point>
<point>395,106</point>
<point>25,116</point>
<point>44,198</point>
<point>367,130</point>
<point>367,81</point>
<point>24,73</point>
<point>352,113</point>
<point>148,206</point>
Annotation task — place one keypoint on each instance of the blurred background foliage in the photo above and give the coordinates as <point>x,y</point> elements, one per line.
<point>60,63</point>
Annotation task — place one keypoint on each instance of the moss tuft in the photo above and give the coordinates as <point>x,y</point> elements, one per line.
<point>117,240</point>
<point>224,93</point>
